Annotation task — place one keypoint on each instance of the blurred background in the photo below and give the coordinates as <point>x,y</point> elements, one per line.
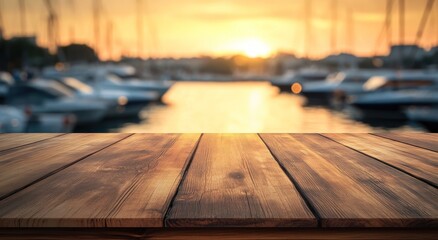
<point>218,66</point>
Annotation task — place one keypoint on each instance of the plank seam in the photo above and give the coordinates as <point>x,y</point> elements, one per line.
<point>57,170</point>
<point>388,164</point>
<point>306,200</point>
<point>27,144</point>
<point>189,163</point>
<point>399,141</point>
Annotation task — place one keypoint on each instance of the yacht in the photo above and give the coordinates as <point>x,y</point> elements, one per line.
<point>114,82</point>
<point>337,86</point>
<point>122,103</point>
<point>427,117</point>
<point>39,96</point>
<point>12,120</point>
<point>397,92</point>
<point>285,82</point>
<point>6,82</point>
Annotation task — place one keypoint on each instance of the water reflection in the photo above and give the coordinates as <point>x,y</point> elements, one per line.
<point>241,107</point>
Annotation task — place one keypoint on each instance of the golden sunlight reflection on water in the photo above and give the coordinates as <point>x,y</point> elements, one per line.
<point>241,107</point>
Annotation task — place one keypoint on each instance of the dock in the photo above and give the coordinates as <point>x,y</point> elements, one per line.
<point>331,186</point>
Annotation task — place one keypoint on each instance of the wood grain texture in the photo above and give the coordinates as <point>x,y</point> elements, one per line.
<point>419,162</point>
<point>217,233</point>
<point>427,141</point>
<point>129,184</point>
<point>233,181</point>
<point>22,166</point>
<point>349,189</point>
<point>13,140</point>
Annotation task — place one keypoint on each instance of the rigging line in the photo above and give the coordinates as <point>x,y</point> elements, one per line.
<point>421,28</point>
<point>386,28</point>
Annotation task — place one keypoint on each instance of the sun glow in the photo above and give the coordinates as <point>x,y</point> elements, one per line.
<point>254,48</point>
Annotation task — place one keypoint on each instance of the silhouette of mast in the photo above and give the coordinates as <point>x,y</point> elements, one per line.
<point>22,5</point>
<point>71,30</point>
<point>308,26</point>
<point>96,21</point>
<point>350,30</point>
<point>52,27</point>
<point>139,28</point>
<point>1,21</point>
<point>334,28</point>
<point>402,22</point>
<point>109,39</point>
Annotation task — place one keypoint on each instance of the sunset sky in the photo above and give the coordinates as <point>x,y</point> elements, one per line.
<point>181,28</point>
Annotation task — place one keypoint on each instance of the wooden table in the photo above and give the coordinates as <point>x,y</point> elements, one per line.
<point>228,185</point>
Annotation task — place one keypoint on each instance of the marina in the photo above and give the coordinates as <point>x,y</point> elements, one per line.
<point>275,182</point>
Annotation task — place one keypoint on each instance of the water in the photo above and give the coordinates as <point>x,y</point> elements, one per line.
<point>240,107</point>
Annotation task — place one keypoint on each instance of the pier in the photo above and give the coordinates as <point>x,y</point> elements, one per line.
<point>331,186</point>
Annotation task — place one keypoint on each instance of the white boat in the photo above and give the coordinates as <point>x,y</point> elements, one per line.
<point>397,92</point>
<point>113,82</point>
<point>50,123</point>
<point>48,97</point>
<point>304,76</point>
<point>427,117</point>
<point>6,82</point>
<point>122,103</point>
<point>337,86</point>
<point>12,120</point>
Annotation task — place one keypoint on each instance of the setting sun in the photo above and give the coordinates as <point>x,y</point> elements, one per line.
<point>254,48</point>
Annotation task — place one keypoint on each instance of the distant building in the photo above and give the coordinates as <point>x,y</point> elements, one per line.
<point>342,60</point>
<point>433,51</point>
<point>406,52</point>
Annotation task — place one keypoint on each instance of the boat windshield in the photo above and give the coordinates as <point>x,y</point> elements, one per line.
<point>381,83</point>
<point>53,88</point>
<point>77,85</point>
<point>336,78</point>
<point>114,78</point>
<point>374,83</point>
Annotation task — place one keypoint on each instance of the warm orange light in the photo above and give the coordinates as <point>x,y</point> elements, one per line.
<point>296,88</point>
<point>254,48</point>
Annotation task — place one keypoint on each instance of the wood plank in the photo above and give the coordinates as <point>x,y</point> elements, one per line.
<point>427,141</point>
<point>419,162</point>
<point>217,233</point>
<point>234,181</point>
<point>349,189</point>
<point>24,165</point>
<point>13,140</point>
<point>129,184</point>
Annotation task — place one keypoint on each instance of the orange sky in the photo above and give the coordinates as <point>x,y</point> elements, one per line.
<point>181,28</point>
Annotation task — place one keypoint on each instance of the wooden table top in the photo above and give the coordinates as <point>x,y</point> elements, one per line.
<point>218,180</point>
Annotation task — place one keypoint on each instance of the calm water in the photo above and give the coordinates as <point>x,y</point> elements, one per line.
<point>240,108</point>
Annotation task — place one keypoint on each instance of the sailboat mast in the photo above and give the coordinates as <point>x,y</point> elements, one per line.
<point>350,30</point>
<point>72,34</point>
<point>96,19</point>
<point>402,22</point>
<point>22,5</point>
<point>388,22</point>
<point>1,21</point>
<point>109,38</point>
<point>307,26</point>
<point>334,25</point>
<point>139,28</point>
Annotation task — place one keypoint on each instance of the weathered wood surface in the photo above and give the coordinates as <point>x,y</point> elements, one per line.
<point>218,233</point>
<point>234,181</point>
<point>218,180</point>
<point>425,140</point>
<point>129,184</point>
<point>22,166</point>
<point>419,162</point>
<point>13,140</point>
<point>349,189</point>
